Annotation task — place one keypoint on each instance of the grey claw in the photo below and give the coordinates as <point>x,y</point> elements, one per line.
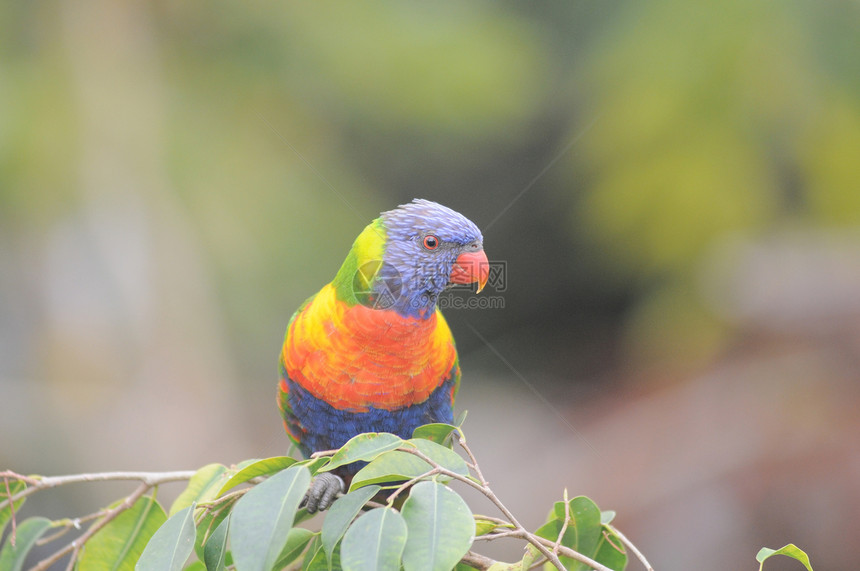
<point>324,489</point>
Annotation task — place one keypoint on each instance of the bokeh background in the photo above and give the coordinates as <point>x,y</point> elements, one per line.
<point>674,187</point>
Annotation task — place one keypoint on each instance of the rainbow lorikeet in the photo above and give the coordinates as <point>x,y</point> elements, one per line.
<point>371,352</point>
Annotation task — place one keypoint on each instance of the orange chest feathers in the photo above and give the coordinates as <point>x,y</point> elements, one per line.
<point>354,357</point>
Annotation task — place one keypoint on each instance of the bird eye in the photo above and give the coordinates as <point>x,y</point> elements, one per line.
<point>431,242</point>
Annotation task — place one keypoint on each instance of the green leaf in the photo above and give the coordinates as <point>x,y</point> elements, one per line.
<point>314,464</point>
<point>202,487</point>
<point>297,540</point>
<point>196,566</point>
<point>315,559</point>
<point>438,432</point>
<point>209,523</point>
<point>610,550</point>
<point>398,465</point>
<point>171,545</point>
<point>26,535</point>
<point>264,516</point>
<point>341,514</point>
<point>483,525</point>
<point>531,555</point>
<point>15,486</point>
<point>790,550</point>
<point>390,467</point>
<point>606,516</point>
<point>215,550</point>
<point>255,469</point>
<point>374,542</point>
<point>244,464</point>
<point>441,528</point>
<point>442,455</point>
<point>364,447</point>
<point>585,533</point>
<point>314,553</point>
<point>120,543</point>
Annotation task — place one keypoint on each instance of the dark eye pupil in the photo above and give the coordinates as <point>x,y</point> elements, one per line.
<point>430,242</point>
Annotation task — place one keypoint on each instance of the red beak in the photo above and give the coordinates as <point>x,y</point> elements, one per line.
<point>471,267</point>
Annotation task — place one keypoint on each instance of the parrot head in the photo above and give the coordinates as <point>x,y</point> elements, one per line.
<point>409,255</point>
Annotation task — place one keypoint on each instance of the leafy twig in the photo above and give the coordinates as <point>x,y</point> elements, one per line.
<point>75,546</point>
<point>474,463</point>
<point>39,483</point>
<point>405,485</point>
<point>539,543</point>
<point>478,561</point>
<point>148,481</point>
<point>67,524</point>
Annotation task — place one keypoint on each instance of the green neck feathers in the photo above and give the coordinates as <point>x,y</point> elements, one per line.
<point>361,264</point>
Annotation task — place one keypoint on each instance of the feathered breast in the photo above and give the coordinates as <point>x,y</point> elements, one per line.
<point>354,357</point>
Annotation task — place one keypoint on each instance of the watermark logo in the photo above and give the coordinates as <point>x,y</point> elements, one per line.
<point>378,285</point>
<point>389,285</point>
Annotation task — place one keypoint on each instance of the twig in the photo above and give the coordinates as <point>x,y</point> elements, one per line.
<point>535,540</point>
<point>66,524</point>
<point>477,560</point>
<point>226,498</point>
<point>499,535</point>
<point>631,547</point>
<point>568,552</point>
<point>31,480</point>
<point>75,546</point>
<point>540,543</point>
<point>47,482</point>
<point>405,485</point>
<point>11,511</point>
<point>564,525</point>
<point>464,446</point>
<point>148,481</point>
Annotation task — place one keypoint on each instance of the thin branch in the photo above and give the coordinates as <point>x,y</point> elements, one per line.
<point>148,481</point>
<point>474,463</point>
<point>405,485</point>
<point>564,525</point>
<point>538,542</point>
<point>66,525</point>
<point>568,552</point>
<point>500,535</point>
<point>226,498</point>
<point>477,561</point>
<point>47,482</point>
<point>631,547</point>
<point>14,533</point>
<point>149,478</point>
<point>44,540</point>
<point>75,546</point>
<point>30,480</point>
<point>520,531</point>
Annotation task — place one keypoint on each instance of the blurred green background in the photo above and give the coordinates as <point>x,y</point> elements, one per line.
<point>673,186</point>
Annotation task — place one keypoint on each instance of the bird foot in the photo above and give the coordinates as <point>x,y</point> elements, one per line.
<point>324,489</point>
